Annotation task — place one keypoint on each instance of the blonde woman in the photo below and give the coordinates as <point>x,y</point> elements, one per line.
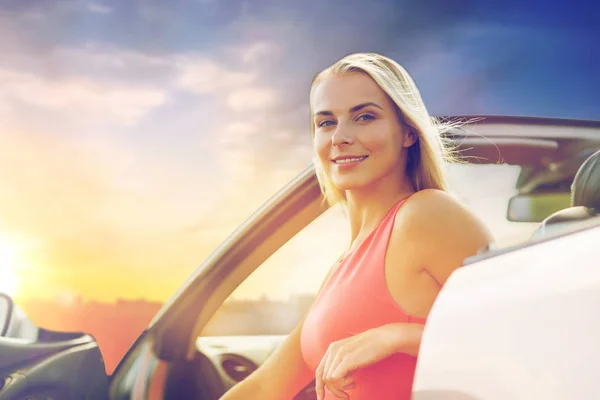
<point>380,154</point>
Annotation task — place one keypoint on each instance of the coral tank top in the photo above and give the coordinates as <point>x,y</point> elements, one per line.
<point>355,299</point>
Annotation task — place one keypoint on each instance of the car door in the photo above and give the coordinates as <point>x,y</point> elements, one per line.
<point>517,324</point>
<point>39,364</point>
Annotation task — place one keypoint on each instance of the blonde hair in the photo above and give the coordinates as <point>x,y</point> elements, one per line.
<point>426,157</point>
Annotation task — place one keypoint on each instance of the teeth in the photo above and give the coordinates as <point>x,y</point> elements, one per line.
<point>349,160</point>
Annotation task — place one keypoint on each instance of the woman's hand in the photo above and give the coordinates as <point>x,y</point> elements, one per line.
<point>366,348</point>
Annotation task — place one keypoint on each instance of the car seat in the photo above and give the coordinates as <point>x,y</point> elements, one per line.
<point>585,199</point>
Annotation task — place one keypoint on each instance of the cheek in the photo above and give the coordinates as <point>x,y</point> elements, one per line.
<point>321,146</point>
<point>384,143</point>
<point>377,141</point>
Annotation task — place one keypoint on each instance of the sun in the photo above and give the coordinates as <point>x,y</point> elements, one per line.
<point>9,263</point>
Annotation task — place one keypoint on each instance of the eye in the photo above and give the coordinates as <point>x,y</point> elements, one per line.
<point>365,117</point>
<point>326,123</point>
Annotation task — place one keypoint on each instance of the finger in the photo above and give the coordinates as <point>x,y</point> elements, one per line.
<point>341,370</point>
<point>319,383</point>
<point>343,385</point>
<point>329,359</point>
<point>335,385</point>
<point>347,380</point>
<point>337,392</point>
<point>336,389</point>
<point>324,375</point>
<point>335,358</point>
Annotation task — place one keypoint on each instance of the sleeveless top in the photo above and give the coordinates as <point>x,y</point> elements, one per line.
<point>355,299</point>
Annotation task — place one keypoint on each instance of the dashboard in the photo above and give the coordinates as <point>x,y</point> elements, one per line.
<point>236,357</point>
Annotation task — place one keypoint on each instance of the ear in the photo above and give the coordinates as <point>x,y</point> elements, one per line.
<point>410,136</point>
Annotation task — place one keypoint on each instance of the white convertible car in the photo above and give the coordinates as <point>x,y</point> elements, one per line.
<point>517,321</point>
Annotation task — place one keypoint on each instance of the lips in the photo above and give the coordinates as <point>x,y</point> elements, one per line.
<point>348,159</point>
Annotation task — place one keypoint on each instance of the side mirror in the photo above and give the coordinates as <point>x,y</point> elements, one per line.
<point>6,310</point>
<point>535,207</point>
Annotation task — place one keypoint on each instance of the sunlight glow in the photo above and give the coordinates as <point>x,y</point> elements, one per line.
<point>10,261</point>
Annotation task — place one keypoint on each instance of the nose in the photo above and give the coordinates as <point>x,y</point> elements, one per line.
<point>342,136</point>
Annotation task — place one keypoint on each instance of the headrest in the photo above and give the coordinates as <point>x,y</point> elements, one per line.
<point>586,185</point>
<point>558,221</point>
<point>585,199</point>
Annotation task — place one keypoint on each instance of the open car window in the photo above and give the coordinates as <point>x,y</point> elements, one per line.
<point>486,190</point>
<point>275,297</point>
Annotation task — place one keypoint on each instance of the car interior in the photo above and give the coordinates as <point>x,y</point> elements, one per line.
<point>585,199</point>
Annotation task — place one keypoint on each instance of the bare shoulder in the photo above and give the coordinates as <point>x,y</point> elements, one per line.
<point>438,210</point>
<point>441,231</point>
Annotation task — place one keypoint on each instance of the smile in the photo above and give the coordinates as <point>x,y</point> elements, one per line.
<point>349,160</point>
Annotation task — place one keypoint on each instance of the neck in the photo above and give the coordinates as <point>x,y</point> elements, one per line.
<point>368,205</point>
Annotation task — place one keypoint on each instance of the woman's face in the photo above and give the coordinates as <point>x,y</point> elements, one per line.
<point>358,136</point>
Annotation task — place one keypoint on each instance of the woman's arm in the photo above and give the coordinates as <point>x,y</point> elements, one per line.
<point>366,348</point>
<point>406,338</point>
<point>280,377</point>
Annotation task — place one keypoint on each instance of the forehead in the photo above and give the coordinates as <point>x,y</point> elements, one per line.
<point>339,93</point>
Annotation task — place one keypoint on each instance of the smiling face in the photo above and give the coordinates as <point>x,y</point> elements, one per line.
<point>358,136</point>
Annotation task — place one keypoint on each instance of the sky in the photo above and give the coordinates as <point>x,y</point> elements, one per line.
<point>135,136</point>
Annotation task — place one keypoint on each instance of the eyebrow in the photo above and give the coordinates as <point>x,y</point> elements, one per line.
<point>353,109</point>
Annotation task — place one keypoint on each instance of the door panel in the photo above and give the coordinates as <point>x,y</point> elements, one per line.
<point>56,366</point>
<point>520,325</point>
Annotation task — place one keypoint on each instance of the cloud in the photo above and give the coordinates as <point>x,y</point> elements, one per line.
<point>104,83</point>
<point>97,56</point>
<point>251,99</point>
<point>99,8</point>
<point>33,16</point>
<point>249,110</point>
<point>121,103</point>
<point>241,129</point>
<point>258,51</point>
<point>92,60</point>
<point>202,75</point>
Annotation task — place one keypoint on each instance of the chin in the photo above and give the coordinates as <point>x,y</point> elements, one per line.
<point>350,183</point>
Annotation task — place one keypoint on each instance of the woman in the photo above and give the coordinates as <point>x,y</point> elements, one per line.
<point>380,155</point>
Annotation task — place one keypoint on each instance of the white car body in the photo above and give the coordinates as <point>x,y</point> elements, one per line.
<point>520,325</point>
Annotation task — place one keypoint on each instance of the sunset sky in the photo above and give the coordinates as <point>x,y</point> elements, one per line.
<point>136,135</point>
